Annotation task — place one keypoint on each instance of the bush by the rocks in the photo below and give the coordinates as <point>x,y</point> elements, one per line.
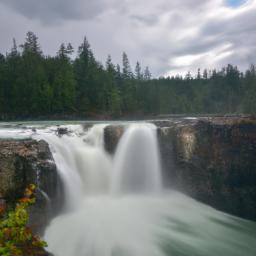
<point>16,238</point>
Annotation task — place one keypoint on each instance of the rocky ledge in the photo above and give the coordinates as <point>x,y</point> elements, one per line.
<point>23,162</point>
<point>211,159</point>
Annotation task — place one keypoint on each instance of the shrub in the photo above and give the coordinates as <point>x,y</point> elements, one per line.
<point>16,238</point>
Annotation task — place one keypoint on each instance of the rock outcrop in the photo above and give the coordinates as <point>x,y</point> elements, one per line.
<point>211,159</point>
<point>112,134</point>
<point>23,162</point>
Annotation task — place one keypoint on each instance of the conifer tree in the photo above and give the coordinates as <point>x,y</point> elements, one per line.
<point>138,74</point>
<point>127,71</point>
<point>147,74</point>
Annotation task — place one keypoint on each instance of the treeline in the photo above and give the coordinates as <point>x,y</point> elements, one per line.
<point>35,85</point>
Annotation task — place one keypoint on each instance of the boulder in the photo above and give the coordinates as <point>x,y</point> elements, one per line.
<point>62,131</point>
<point>112,134</point>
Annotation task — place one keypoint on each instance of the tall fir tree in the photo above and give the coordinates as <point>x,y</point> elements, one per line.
<point>138,72</point>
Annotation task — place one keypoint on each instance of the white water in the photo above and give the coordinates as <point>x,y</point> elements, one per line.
<point>118,207</point>
<point>81,161</point>
<point>136,163</point>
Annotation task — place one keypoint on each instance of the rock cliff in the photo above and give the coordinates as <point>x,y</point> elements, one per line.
<point>23,162</point>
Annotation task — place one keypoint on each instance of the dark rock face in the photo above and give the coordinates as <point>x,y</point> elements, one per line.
<point>23,162</point>
<point>112,135</point>
<point>213,160</point>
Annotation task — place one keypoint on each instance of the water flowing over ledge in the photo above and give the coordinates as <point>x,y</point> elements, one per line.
<point>111,209</point>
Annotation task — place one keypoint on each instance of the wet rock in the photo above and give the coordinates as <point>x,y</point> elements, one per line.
<point>213,160</point>
<point>23,162</point>
<point>112,135</point>
<point>62,131</point>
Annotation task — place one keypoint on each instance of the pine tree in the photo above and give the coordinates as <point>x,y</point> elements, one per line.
<point>147,74</point>
<point>205,74</point>
<point>198,74</point>
<point>31,78</point>
<point>88,75</point>
<point>110,67</point>
<point>81,69</point>
<point>64,82</point>
<point>14,50</point>
<point>69,49</point>
<point>188,76</point>
<point>62,51</point>
<point>127,71</point>
<point>31,44</point>
<point>138,74</point>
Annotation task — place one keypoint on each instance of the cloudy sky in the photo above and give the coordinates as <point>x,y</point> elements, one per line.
<point>170,36</point>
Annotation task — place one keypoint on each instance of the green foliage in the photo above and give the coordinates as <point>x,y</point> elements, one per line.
<point>33,85</point>
<point>16,238</point>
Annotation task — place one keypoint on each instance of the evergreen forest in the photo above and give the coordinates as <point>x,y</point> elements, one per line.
<point>75,84</point>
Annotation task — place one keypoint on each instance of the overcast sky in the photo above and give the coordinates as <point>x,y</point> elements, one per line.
<point>170,36</point>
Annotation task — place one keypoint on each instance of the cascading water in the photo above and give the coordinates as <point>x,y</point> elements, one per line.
<point>117,207</point>
<point>136,163</point>
<point>131,217</point>
<point>81,161</point>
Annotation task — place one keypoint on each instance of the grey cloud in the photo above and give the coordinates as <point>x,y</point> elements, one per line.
<point>197,46</point>
<point>149,20</point>
<point>237,31</point>
<point>52,11</point>
<point>157,33</point>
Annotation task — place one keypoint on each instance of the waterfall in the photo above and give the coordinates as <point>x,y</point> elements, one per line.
<point>82,163</point>
<point>136,163</point>
<point>86,169</point>
<point>115,206</point>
